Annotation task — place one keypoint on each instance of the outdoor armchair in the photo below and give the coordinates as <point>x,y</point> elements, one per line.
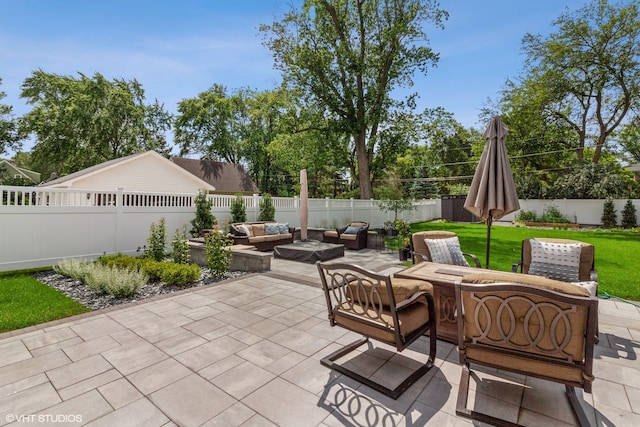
<point>391,310</point>
<point>560,259</point>
<point>440,246</point>
<point>544,330</point>
<point>353,236</point>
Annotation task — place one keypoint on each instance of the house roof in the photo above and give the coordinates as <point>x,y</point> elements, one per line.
<point>15,170</point>
<point>69,180</point>
<point>634,168</point>
<point>227,178</point>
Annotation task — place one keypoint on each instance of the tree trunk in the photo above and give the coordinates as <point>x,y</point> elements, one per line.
<point>364,175</point>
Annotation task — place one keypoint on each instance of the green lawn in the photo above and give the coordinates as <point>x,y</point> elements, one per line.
<point>616,251</point>
<point>24,302</point>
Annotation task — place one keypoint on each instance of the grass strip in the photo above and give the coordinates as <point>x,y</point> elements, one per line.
<point>24,301</point>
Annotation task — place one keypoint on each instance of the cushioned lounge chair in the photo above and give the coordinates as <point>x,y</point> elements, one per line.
<point>440,246</point>
<point>390,310</point>
<point>353,236</point>
<point>546,331</point>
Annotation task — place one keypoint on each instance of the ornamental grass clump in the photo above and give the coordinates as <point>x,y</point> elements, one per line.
<point>102,278</point>
<point>119,282</point>
<point>73,268</point>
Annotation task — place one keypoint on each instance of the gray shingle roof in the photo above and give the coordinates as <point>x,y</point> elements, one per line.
<point>227,178</point>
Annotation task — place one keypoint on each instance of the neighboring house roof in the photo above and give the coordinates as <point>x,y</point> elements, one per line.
<point>634,168</point>
<point>227,178</point>
<point>148,171</point>
<point>12,170</point>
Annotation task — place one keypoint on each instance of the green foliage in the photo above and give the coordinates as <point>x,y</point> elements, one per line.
<point>80,122</point>
<point>73,268</point>
<point>27,302</point>
<point>590,181</point>
<point>315,48</point>
<point>218,254</point>
<point>609,218</point>
<point>157,241</point>
<point>179,274</point>
<point>457,189</point>
<point>404,232</point>
<point>119,282</point>
<point>181,253</point>
<point>578,60</point>
<point>267,212</point>
<point>238,209</point>
<point>104,278</point>
<point>529,185</point>
<point>552,214</point>
<point>393,198</point>
<point>204,218</point>
<point>629,217</point>
<point>527,216</point>
<point>9,136</point>
<point>168,272</point>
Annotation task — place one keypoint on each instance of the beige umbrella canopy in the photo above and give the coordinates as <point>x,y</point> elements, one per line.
<point>493,193</point>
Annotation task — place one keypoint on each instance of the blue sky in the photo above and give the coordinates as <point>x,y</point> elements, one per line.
<point>177,49</point>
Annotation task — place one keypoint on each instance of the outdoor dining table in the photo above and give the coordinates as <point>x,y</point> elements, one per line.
<point>443,278</point>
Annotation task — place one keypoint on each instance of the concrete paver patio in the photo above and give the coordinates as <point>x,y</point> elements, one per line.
<point>246,352</point>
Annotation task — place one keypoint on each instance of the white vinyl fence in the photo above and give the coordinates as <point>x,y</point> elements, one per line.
<point>40,227</point>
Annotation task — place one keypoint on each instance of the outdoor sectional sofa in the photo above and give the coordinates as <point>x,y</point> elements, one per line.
<point>263,235</point>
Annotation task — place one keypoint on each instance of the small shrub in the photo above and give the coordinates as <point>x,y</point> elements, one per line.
<point>73,268</point>
<point>238,209</point>
<point>267,210</point>
<point>629,217</point>
<point>157,241</point>
<point>217,254</point>
<point>204,217</point>
<point>121,260</point>
<point>179,274</point>
<point>104,278</point>
<point>153,269</point>
<point>527,216</point>
<point>609,217</point>
<point>552,214</point>
<point>119,282</point>
<point>180,247</point>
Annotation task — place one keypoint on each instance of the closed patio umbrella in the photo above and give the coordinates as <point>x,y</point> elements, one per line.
<point>493,193</point>
<point>304,205</point>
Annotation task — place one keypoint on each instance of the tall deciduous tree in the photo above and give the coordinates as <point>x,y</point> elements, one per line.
<point>80,122</point>
<point>9,136</point>
<point>210,125</point>
<point>585,75</point>
<point>348,56</point>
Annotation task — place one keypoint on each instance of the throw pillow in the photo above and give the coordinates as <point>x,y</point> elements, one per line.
<point>558,261</point>
<point>271,228</point>
<point>244,229</point>
<point>283,228</point>
<point>352,230</point>
<point>446,251</point>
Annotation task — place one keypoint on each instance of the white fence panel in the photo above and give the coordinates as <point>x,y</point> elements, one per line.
<point>39,227</point>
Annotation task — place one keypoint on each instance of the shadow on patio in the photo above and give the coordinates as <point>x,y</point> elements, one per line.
<point>247,352</point>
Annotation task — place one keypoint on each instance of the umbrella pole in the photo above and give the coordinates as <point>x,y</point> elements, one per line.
<point>489,221</point>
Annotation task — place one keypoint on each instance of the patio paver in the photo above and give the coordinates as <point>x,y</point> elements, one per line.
<point>246,352</point>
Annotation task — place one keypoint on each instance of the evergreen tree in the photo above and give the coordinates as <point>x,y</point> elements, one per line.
<point>629,217</point>
<point>609,217</point>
